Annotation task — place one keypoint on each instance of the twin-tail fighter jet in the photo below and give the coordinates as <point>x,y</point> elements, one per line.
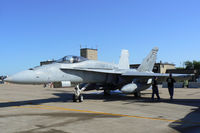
<point>91,74</point>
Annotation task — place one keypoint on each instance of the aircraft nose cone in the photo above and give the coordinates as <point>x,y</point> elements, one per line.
<point>13,78</point>
<point>21,77</point>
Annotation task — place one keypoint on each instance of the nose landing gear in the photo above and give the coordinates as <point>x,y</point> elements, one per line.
<point>77,93</point>
<point>78,98</point>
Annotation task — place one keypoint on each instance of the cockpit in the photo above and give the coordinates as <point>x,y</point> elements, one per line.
<point>67,59</point>
<point>71,59</point>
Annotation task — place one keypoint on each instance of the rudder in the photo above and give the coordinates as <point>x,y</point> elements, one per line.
<point>149,62</point>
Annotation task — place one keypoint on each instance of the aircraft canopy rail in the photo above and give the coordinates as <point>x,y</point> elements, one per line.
<point>71,59</point>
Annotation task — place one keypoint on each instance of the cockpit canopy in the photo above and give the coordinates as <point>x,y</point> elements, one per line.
<point>71,59</point>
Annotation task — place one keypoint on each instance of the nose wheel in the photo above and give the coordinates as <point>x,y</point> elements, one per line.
<point>77,93</point>
<point>78,98</point>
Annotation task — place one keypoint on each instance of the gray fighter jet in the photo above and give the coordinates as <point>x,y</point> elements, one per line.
<point>91,74</point>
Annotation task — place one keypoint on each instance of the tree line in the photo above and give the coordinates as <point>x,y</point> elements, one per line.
<point>192,64</point>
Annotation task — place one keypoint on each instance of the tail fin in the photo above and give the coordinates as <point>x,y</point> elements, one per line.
<point>124,60</point>
<point>149,62</point>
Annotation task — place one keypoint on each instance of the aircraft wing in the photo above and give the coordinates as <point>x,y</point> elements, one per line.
<point>95,70</point>
<point>159,75</point>
<point>148,74</point>
<point>132,74</point>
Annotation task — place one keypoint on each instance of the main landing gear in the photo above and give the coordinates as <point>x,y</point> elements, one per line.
<point>137,94</point>
<point>107,92</point>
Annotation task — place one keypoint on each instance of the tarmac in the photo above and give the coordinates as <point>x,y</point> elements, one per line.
<point>34,109</point>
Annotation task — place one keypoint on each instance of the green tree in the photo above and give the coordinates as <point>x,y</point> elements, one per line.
<point>188,65</point>
<point>192,64</point>
<point>196,64</point>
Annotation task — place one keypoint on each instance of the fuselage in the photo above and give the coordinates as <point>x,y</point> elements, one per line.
<point>55,73</point>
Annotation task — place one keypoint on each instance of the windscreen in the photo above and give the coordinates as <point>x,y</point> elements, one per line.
<point>71,59</point>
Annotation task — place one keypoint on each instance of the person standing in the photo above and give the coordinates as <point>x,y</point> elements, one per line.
<point>155,88</point>
<point>170,82</point>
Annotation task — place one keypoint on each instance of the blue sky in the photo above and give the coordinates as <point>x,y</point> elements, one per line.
<point>36,30</point>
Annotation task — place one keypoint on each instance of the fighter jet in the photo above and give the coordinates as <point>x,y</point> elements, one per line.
<point>91,74</point>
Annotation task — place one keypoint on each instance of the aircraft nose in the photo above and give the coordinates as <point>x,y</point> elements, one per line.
<point>21,77</point>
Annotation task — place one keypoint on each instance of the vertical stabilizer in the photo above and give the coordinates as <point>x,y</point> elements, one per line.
<point>149,62</point>
<point>124,60</point>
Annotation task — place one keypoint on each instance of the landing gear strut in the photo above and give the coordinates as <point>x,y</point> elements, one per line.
<point>137,94</point>
<point>79,98</point>
<point>77,93</point>
<point>107,93</point>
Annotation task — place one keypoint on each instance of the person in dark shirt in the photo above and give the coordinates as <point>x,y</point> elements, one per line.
<point>171,82</point>
<point>155,88</point>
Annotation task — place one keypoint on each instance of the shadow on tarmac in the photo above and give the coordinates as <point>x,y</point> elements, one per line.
<point>67,97</point>
<point>75,117</point>
<point>189,124</point>
<point>62,97</point>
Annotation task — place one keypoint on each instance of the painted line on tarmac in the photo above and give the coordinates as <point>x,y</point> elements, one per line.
<point>46,107</point>
<point>5,100</point>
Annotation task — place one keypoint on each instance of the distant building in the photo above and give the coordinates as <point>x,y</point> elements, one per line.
<point>163,67</point>
<point>46,62</point>
<point>158,67</point>
<point>91,54</point>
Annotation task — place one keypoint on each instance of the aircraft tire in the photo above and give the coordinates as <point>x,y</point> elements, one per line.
<point>81,98</point>
<point>106,93</point>
<point>74,98</point>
